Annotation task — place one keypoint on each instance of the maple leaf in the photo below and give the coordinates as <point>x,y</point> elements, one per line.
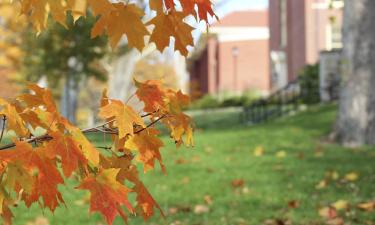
<point>171,25</point>
<point>107,194</point>
<point>180,125</point>
<point>47,178</point>
<point>14,120</point>
<point>145,202</point>
<point>152,94</point>
<point>125,116</point>
<point>39,11</point>
<point>43,96</point>
<point>122,19</point>
<point>78,8</point>
<point>64,146</point>
<point>204,8</point>
<point>88,150</point>
<point>148,145</point>
<point>127,171</point>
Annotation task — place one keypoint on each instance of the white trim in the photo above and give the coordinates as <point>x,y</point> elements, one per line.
<point>230,34</point>
<point>326,5</point>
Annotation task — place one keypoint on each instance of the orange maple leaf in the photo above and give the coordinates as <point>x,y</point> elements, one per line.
<point>47,178</point>
<point>145,202</point>
<point>204,8</point>
<point>107,194</point>
<point>113,21</point>
<point>67,148</point>
<point>171,25</point>
<point>148,146</point>
<point>152,94</point>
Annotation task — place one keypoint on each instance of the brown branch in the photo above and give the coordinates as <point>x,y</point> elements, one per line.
<point>101,129</point>
<point>3,128</point>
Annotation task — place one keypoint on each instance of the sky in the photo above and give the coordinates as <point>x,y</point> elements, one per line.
<point>234,5</point>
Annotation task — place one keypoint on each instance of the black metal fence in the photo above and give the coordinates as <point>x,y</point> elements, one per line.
<point>276,105</point>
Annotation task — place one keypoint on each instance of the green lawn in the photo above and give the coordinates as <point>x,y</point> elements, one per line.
<point>224,153</point>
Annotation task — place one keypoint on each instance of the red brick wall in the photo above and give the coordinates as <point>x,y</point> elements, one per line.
<point>249,71</point>
<point>306,31</point>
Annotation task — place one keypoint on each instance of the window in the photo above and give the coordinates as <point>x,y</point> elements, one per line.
<point>283,23</point>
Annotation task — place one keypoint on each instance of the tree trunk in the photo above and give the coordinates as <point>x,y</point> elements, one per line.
<point>356,117</point>
<point>69,101</point>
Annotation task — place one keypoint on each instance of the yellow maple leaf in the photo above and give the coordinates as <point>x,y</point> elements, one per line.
<point>38,12</point>
<point>125,117</point>
<point>340,204</point>
<point>353,176</point>
<point>258,151</point>
<point>281,154</point>
<point>13,119</point>
<point>171,25</point>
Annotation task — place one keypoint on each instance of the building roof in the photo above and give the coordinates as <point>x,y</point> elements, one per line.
<point>249,18</point>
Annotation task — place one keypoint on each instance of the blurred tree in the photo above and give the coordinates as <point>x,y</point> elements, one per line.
<point>356,119</point>
<point>66,55</point>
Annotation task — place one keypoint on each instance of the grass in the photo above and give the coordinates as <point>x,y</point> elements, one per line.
<point>224,152</point>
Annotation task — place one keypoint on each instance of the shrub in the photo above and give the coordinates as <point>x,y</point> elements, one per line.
<point>309,83</point>
<point>206,102</point>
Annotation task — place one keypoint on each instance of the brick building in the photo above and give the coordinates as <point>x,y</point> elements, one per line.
<point>299,31</point>
<point>234,56</point>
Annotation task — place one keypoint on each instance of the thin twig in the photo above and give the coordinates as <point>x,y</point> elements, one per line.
<point>3,128</point>
<point>107,130</point>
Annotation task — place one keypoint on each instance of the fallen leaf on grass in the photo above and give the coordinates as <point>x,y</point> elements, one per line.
<point>328,212</point>
<point>367,206</point>
<point>40,220</point>
<point>236,183</point>
<point>293,204</point>
<point>340,205</point>
<point>281,154</point>
<point>353,176</point>
<point>258,151</point>
<point>177,209</point>
<point>185,180</point>
<point>181,161</point>
<point>336,221</point>
<point>208,199</point>
<point>322,184</point>
<point>201,209</point>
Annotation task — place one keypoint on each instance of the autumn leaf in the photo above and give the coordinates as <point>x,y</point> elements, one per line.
<point>145,202</point>
<point>367,206</point>
<point>204,8</point>
<point>113,22</point>
<point>353,176</point>
<point>64,146</point>
<point>125,116</point>
<point>39,11</point>
<point>47,178</point>
<point>107,194</point>
<point>148,146</point>
<point>258,151</point>
<point>14,120</point>
<point>171,25</point>
<point>87,148</point>
<point>328,212</point>
<point>340,205</point>
<point>152,94</point>
<point>281,154</point>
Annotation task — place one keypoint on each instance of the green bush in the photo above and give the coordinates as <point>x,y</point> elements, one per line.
<point>309,83</point>
<point>206,102</point>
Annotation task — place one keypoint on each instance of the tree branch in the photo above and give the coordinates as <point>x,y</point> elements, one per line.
<point>98,129</point>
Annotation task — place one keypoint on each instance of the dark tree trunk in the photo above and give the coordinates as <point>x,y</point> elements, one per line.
<point>69,101</point>
<point>356,118</point>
